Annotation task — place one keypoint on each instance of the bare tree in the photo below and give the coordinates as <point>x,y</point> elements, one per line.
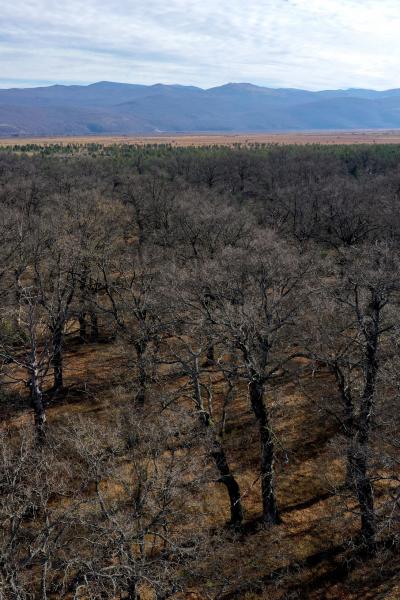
<point>354,316</point>
<point>257,297</point>
<point>26,350</point>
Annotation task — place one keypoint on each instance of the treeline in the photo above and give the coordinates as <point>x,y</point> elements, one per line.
<point>214,273</point>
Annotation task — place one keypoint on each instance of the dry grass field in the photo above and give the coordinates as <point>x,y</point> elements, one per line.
<point>184,140</point>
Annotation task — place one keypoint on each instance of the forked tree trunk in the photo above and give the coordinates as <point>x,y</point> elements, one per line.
<point>218,452</point>
<point>270,509</point>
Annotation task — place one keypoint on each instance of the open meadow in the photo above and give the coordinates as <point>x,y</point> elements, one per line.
<point>183,140</point>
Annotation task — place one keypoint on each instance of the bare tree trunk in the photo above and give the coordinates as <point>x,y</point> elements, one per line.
<point>270,509</point>
<point>58,359</point>
<point>228,480</point>
<point>349,430</point>
<point>204,415</point>
<point>37,402</point>
<point>362,425</point>
<point>365,496</point>
<point>349,427</point>
<point>94,326</point>
<point>18,297</point>
<point>133,593</point>
<point>140,347</point>
<point>43,583</point>
<point>82,327</point>
<point>142,380</point>
<point>210,355</point>
<point>218,452</point>
<point>350,466</point>
<point>82,307</point>
<point>363,484</point>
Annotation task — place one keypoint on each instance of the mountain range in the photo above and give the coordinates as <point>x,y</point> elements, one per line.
<point>119,108</point>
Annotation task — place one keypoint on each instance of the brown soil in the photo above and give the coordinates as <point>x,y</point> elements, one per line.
<point>304,558</point>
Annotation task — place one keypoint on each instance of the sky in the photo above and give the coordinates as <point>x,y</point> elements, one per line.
<point>309,44</point>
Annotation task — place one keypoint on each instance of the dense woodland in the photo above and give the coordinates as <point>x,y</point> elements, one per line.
<point>200,372</point>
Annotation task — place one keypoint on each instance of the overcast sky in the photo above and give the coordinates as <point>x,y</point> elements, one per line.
<point>311,44</point>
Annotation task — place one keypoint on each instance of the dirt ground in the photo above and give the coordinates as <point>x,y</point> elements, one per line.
<point>304,557</point>
<point>183,140</point>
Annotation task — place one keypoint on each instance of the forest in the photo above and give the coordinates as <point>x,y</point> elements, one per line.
<point>199,372</point>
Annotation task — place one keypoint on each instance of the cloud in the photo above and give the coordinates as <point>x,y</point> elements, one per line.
<point>288,43</point>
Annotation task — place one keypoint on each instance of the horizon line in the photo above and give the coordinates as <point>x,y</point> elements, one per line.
<point>43,84</point>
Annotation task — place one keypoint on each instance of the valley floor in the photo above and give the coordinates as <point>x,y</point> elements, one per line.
<point>222,139</point>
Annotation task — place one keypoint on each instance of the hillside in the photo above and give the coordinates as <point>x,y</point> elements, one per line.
<point>117,108</point>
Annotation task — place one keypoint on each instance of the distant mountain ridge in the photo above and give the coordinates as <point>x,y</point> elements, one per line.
<point>120,108</point>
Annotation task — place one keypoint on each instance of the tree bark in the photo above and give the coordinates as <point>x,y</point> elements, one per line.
<point>142,380</point>
<point>363,484</point>
<point>365,496</point>
<point>210,355</point>
<point>82,307</point>
<point>140,348</point>
<point>37,403</point>
<point>217,452</point>
<point>82,327</point>
<point>133,593</point>
<point>270,509</point>
<point>94,327</point>
<point>58,359</point>
<point>228,480</point>
<point>350,466</point>
<point>348,425</point>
